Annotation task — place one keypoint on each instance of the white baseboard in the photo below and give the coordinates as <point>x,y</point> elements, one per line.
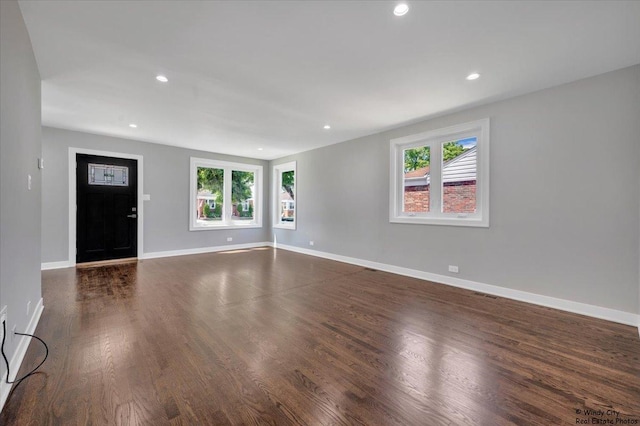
<point>19,354</point>
<point>523,296</point>
<point>45,266</point>
<point>200,250</point>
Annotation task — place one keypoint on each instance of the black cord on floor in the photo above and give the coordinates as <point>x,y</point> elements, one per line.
<point>4,336</point>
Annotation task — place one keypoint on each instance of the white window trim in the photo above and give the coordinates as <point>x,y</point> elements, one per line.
<point>226,222</point>
<point>434,138</point>
<point>278,169</point>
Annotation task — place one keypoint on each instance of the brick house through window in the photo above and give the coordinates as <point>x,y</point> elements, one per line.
<point>458,181</point>
<point>416,190</point>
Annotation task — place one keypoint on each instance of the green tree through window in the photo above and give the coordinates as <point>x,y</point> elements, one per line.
<point>288,182</point>
<point>451,150</point>
<point>416,158</point>
<point>419,157</point>
<point>241,184</point>
<point>211,180</point>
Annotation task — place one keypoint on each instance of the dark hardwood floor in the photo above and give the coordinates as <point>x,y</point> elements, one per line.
<point>273,337</point>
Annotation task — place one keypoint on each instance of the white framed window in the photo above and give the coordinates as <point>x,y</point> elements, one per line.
<point>224,195</point>
<point>441,177</point>
<point>284,190</point>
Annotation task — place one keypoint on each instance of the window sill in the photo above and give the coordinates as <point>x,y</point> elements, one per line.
<point>222,226</point>
<point>285,226</point>
<point>446,221</point>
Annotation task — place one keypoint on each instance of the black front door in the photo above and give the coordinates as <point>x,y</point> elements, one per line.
<point>107,209</point>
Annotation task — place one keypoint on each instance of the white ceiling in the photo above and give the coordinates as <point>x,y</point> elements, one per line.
<point>245,75</point>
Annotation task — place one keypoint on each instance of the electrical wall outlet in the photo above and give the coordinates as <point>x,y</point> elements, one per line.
<point>453,268</point>
<point>311,243</point>
<point>28,307</point>
<point>229,239</point>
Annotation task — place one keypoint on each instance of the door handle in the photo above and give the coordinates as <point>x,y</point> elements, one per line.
<point>133,216</point>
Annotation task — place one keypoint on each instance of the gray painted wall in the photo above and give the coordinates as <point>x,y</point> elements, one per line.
<point>564,197</point>
<point>20,147</point>
<point>166,179</point>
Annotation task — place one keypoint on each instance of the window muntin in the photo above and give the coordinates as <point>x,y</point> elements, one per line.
<point>441,177</point>
<point>108,175</point>
<point>284,179</point>
<point>224,195</point>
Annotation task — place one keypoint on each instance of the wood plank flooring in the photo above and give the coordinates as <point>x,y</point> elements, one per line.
<point>273,337</point>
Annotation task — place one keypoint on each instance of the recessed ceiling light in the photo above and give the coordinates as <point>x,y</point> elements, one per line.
<point>401,9</point>
<point>259,149</point>
<point>327,127</point>
<point>473,76</point>
<point>162,78</point>
<point>133,125</point>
